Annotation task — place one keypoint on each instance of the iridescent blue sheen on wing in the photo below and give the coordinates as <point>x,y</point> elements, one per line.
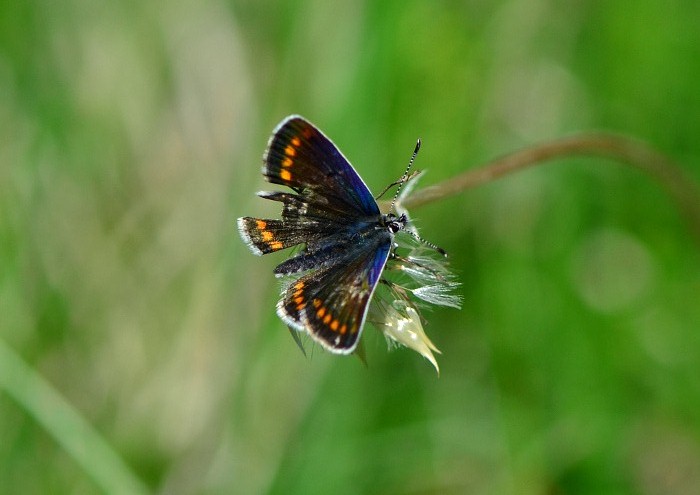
<point>377,266</point>
<point>302,157</point>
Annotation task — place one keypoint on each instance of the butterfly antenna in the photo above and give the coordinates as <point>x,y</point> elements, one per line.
<point>427,243</point>
<point>404,177</point>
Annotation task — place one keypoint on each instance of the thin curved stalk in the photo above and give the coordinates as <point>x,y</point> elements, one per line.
<point>66,425</point>
<point>638,154</point>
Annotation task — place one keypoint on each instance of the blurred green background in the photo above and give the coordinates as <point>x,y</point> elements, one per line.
<point>140,348</point>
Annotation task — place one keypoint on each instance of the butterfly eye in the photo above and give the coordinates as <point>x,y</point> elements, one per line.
<point>394,227</point>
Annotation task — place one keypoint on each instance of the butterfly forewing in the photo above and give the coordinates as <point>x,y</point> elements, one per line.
<point>302,157</point>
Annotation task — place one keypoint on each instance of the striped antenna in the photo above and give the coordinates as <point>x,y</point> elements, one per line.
<point>403,178</point>
<point>427,243</point>
<point>400,183</point>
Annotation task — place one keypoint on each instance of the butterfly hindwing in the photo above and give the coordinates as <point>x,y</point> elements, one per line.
<point>331,303</point>
<point>300,156</point>
<point>265,236</point>
<point>304,220</point>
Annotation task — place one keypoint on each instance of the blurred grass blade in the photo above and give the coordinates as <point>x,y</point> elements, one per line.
<point>70,430</point>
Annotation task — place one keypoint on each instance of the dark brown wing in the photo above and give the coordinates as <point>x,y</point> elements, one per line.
<point>300,156</point>
<point>331,303</point>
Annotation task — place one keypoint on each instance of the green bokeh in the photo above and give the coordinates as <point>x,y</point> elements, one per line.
<point>131,141</point>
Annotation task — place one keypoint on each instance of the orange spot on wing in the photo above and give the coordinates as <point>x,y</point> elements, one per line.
<point>327,319</point>
<point>295,142</point>
<point>299,299</point>
<point>317,303</point>
<point>287,162</point>
<point>343,330</point>
<point>285,175</point>
<point>276,245</point>
<point>290,151</point>
<point>267,235</point>
<point>320,312</point>
<point>334,325</point>
<point>261,224</point>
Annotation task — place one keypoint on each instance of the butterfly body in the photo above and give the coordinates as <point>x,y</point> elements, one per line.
<point>332,213</point>
<point>335,248</point>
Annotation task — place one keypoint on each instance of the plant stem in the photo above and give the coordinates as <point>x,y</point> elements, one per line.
<point>638,154</point>
<point>66,425</point>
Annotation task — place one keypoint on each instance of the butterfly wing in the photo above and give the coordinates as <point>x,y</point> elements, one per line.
<point>330,197</point>
<point>263,235</point>
<point>305,219</point>
<point>331,303</point>
<point>300,156</point>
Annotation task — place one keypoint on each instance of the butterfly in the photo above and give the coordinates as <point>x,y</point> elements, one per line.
<point>346,239</point>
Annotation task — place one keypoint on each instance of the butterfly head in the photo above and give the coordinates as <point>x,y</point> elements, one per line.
<point>394,223</point>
